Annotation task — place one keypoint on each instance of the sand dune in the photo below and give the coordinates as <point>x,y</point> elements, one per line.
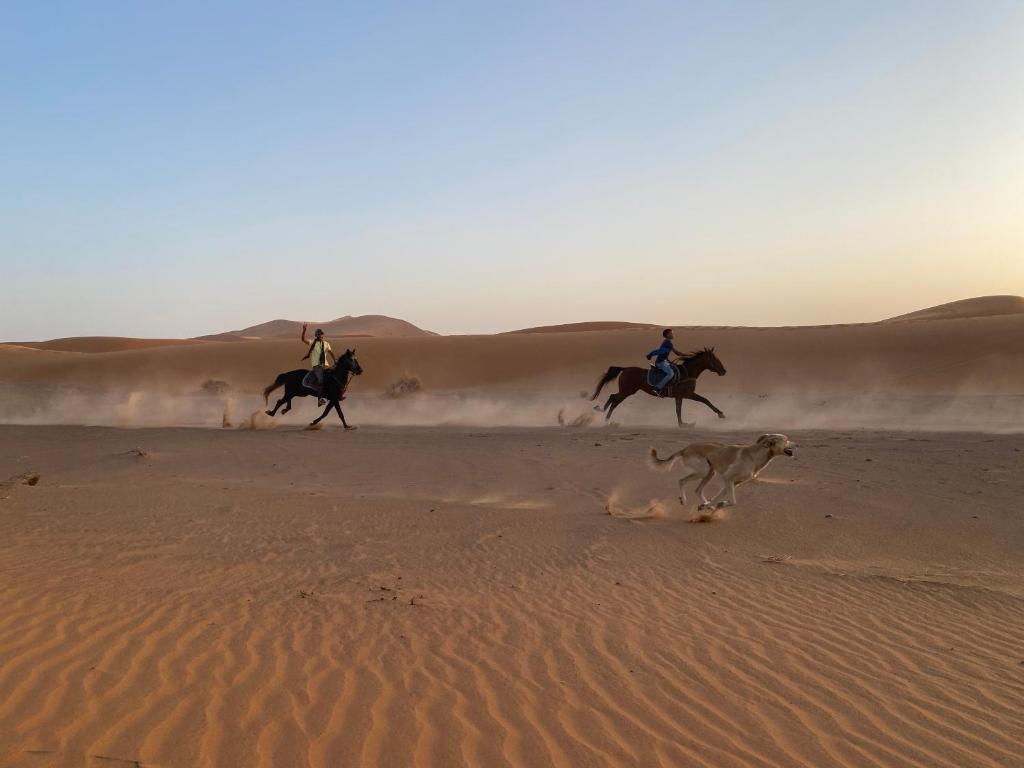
<point>967,355</point>
<point>442,589</point>
<point>982,306</point>
<point>607,325</point>
<point>93,344</point>
<point>283,599</point>
<point>349,325</point>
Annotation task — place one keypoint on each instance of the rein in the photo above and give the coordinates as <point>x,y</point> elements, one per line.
<point>685,377</point>
<point>345,377</point>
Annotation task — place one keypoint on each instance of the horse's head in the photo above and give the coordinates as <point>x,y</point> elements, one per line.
<point>712,361</point>
<point>348,363</point>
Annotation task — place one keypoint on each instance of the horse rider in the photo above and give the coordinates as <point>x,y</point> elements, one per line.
<point>660,356</point>
<point>317,354</point>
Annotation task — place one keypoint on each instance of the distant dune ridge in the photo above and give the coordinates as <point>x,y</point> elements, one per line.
<point>600,325</point>
<point>101,344</point>
<point>349,325</point>
<point>982,306</point>
<point>376,326</point>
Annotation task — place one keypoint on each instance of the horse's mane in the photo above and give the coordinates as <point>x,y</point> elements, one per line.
<point>695,353</point>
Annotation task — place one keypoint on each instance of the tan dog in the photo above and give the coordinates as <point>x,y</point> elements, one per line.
<point>735,463</point>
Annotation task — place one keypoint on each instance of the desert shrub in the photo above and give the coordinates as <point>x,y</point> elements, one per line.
<point>215,387</point>
<point>406,386</point>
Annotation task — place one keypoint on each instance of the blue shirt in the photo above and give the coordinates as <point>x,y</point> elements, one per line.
<point>662,352</point>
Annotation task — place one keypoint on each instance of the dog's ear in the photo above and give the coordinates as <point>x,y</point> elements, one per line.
<point>764,439</point>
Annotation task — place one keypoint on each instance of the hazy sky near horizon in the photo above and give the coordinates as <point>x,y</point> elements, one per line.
<point>172,169</point>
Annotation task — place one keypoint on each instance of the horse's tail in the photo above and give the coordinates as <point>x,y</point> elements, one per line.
<point>662,465</point>
<point>279,381</point>
<point>610,374</point>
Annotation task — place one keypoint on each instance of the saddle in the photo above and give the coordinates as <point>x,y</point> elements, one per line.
<point>654,375</point>
<point>309,381</point>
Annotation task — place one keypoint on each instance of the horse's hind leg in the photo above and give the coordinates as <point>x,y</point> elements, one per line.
<point>279,404</point>
<point>614,401</point>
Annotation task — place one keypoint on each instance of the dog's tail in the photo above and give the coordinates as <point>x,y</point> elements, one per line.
<point>610,374</point>
<point>277,383</point>
<point>662,465</point>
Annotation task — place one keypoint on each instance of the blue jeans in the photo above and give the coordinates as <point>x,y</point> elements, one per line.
<point>665,368</point>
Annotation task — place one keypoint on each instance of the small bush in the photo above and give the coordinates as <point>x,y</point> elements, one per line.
<point>406,386</point>
<point>215,387</point>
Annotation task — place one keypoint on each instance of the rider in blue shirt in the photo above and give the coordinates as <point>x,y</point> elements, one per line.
<point>660,356</point>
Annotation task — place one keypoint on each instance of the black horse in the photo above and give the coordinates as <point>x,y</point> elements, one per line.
<point>335,383</point>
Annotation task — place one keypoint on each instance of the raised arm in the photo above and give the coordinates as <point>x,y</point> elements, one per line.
<point>305,327</point>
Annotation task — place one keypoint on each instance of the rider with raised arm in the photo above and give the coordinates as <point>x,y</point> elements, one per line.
<point>660,356</point>
<point>317,354</point>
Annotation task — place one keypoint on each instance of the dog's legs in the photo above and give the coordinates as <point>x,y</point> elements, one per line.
<point>727,496</point>
<point>682,485</point>
<point>704,503</point>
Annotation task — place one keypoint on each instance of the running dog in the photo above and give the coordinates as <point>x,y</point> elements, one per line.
<point>735,463</point>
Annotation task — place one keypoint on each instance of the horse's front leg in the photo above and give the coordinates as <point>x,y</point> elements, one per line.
<point>341,415</point>
<point>322,416</point>
<point>708,403</point>
<point>679,413</point>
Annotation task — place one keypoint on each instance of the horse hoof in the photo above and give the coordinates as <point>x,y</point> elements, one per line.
<point>721,415</point>
<point>269,413</point>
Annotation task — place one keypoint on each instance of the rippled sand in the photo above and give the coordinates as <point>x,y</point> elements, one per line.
<point>451,596</point>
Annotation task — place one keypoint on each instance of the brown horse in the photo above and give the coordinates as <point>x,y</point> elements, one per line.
<point>632,380</point>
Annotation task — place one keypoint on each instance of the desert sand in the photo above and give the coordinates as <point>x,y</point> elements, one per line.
<point>449,596</point>
<point>462,581</point>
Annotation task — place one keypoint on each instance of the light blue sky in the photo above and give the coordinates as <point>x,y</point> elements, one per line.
<point>176,168</point>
